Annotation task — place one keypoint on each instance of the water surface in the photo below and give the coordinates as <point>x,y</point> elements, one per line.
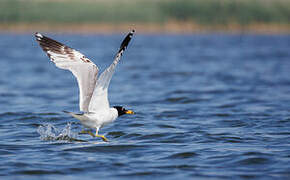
<point>208,107</point>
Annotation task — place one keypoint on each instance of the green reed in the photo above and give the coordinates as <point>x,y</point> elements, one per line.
<point>156,11</point>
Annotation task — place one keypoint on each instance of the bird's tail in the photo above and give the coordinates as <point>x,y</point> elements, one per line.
<point>77,116</point>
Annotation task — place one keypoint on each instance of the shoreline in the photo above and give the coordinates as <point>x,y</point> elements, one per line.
<point>144,28</point>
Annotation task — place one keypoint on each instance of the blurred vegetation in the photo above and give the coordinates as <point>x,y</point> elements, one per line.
<point>156,11</point>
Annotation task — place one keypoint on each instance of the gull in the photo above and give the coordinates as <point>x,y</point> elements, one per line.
<point>93,90</point>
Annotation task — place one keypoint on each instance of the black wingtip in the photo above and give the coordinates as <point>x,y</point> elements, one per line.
<point>38,36</point>
<point>126,41</point>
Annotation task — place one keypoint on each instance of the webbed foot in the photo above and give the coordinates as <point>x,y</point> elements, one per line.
<point>103,137</point>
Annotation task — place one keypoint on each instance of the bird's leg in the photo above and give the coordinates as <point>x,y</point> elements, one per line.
<point>90,133</point>
<point>83,132</point>
<point>101,136</point>
<point>87,132</point>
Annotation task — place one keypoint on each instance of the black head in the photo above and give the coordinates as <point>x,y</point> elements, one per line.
<point>121,110</point>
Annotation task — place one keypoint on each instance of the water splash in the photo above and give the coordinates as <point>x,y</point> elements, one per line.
<point>48,132</point>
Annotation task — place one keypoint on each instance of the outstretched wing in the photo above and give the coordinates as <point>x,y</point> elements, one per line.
<point>67,58</point>
<point>99,100</point>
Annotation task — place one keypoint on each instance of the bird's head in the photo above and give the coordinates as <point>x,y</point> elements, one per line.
<point>121,110</point>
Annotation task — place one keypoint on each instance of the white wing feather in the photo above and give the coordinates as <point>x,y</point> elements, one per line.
<point>99,101</point>
<point>82,68</point>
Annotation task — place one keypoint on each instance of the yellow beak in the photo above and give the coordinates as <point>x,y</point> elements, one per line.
<point>129,112</point>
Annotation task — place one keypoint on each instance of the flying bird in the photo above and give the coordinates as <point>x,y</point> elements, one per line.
<point>93,89</point>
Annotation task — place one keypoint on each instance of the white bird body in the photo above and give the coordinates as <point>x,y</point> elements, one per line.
<point>96,120</point>
<point>93,90</point>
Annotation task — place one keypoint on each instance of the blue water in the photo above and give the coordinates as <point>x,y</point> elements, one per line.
<point>208,107</point>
